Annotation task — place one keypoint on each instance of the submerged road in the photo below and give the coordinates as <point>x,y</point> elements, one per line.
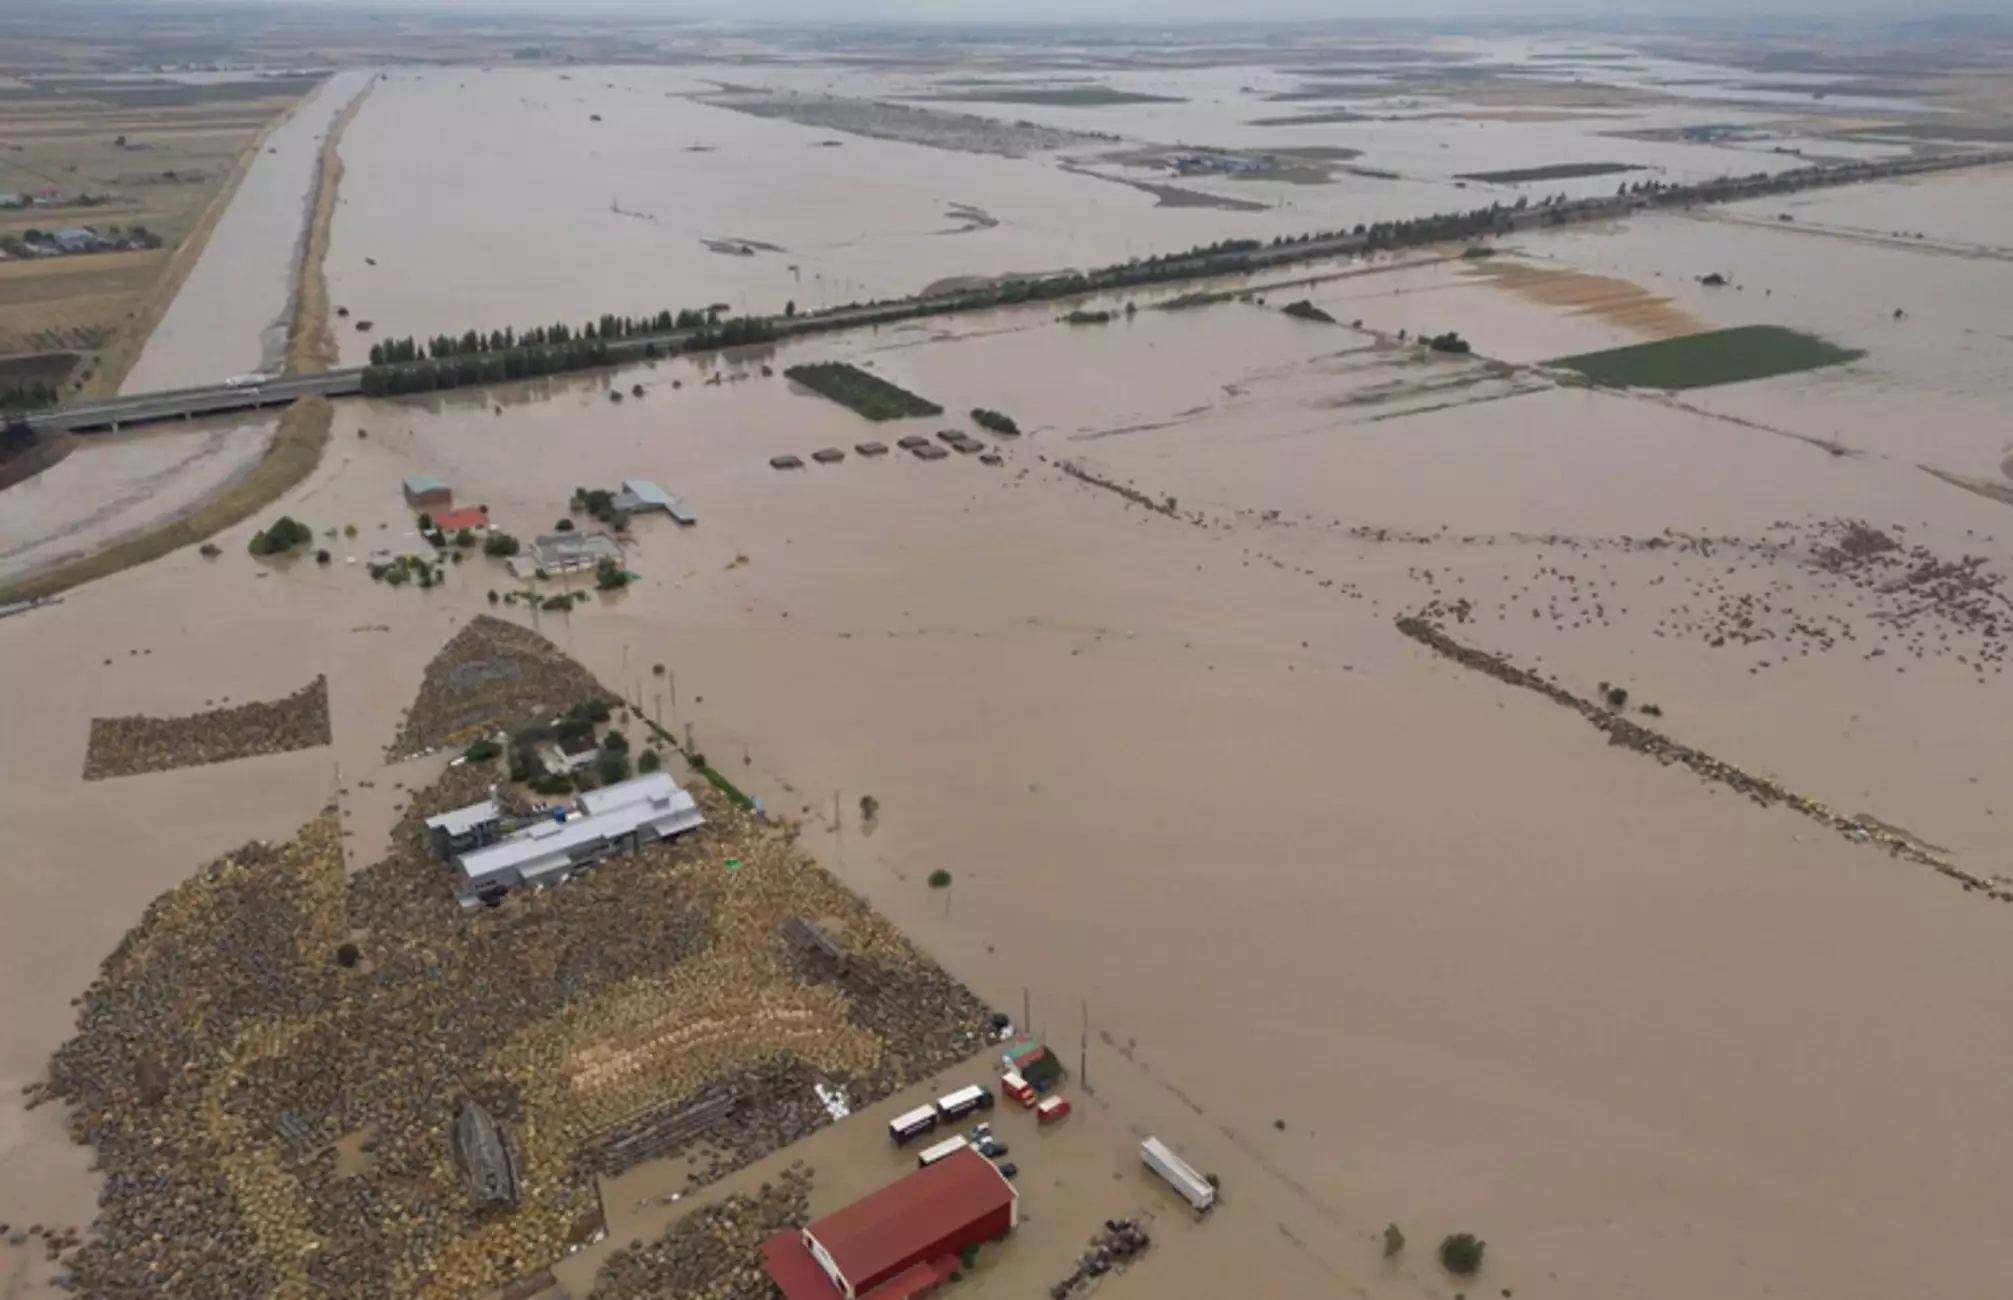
<point>191,403</point>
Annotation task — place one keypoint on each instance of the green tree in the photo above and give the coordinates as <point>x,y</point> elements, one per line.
<point>649,762</point>
<point>1461,1253</point>
<point>347,956</point>
<point>1394,1241</point>
<point>940,879</point>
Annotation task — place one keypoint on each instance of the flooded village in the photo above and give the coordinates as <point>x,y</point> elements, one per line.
<point>1421,767</point>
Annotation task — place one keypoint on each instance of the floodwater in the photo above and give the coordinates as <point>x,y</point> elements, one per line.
<point>594,190</point>
<point>230,316</point>
<point>111,488</point>
<point>1377,938</point>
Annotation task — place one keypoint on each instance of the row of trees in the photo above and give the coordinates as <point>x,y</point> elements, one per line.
<point>28,397</point>
<point>609,328</point>
<point>400,366</point>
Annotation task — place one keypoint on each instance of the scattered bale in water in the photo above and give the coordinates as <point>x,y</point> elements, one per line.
<point>968,446</point>
<point>929,451</point>
<point>871,448</point>
<point>786,462</point>
<point>828,455</point>
<point>992,458</point>
<point>913,441</point>
<point>951,435</point>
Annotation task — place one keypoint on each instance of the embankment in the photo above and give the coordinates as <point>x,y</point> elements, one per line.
<point>311,341</point>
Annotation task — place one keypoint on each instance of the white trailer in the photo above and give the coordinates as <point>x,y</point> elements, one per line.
<point>947,1147</point>
<point>1194,1188</point>
<point>253,380</point>
<point>912,1125</point>
<point>964,1101</point>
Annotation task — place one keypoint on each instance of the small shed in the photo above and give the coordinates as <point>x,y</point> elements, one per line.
<point>422,490</point>
<point>453,521</point>
<point>75,239</point>
<point>639,495</point>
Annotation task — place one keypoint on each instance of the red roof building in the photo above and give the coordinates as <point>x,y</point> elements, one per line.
<point>453,521</point>
<point>901,1242</point>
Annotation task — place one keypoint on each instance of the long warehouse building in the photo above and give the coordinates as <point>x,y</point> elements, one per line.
<point>901,1242</point>
<point>620,818</point>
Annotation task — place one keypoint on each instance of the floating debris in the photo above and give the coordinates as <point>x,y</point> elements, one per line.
<point>131,745</point>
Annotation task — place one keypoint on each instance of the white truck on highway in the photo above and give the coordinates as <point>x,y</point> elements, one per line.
<point>253,380</point>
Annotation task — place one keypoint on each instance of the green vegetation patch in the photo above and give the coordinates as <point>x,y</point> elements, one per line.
<point>1553,172</point>
<point>1062,96</point>
<point>1729,356</point>
<point>869,395</point>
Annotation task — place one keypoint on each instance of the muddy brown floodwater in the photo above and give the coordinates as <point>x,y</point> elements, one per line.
<point>1375,937</point>
<point>1488,972</point>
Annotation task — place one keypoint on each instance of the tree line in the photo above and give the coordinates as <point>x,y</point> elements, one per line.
<point>399,366</point>
<point>28,397</point>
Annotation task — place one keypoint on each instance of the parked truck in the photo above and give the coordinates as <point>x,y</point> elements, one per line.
<point>1194,1188</point>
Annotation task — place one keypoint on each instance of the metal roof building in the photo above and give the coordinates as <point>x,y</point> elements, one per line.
<point>427,490</point>
<point>903,1240</point>
<point>467,828</point>
<point>619,819</point>
<point>566,553</point>
<point>639,494</point>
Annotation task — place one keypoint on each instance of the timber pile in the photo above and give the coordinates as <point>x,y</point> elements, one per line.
<point>710,1254</point>
<point>224,1051</point>
<point>131,745</point>
<point>493,676</point>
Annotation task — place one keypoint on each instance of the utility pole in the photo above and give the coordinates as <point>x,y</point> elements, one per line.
<point>1083,1050</point>
<point>839,829</point>
<point>1026,1002</point>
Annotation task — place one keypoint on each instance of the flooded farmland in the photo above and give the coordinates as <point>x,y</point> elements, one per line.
<point>1374,935</point>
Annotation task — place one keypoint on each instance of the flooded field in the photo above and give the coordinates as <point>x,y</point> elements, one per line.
<point>1375,936</point>
<point>1029,673</point>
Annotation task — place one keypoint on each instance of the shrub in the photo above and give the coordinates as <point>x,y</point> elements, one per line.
<point>500,545</point>
<point>482,751</point>
<point>1618,698</point>
<point>649,762</point>
<point>520,765</point>
<point>210,550</point>
<point>1461,1253</point>
<point>554,604</point>
<point>613,766</point>
<point>969,1256</point>
<point>347,956</point>
<point>464,539</point>
<point>1394,1241</point>
<point>610,576</point>
<point>1306,310</point>
<point>493,597</point>
<point>657,670</point>
<point>987,419</point>
<point>555,786</point>
<point>870,807</point>
<point>940,879</point>
<point>1653,710</point>
<point>349,530</point>
<point>285,534</point>
<point>615,741</point>
<point>426,523</point>
<point>563,526</point>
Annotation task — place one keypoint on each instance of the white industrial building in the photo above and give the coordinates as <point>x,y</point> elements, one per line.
<point>618,819</point>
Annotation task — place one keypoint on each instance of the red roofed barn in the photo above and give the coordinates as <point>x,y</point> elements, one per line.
<point>901,1242</point>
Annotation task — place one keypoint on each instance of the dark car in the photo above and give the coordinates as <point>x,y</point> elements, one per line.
<point>992,1150</point>
<point>1008,1170</point>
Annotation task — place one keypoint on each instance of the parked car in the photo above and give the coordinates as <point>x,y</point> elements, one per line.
<point>1009,1169</point>
<point>992,1150</point>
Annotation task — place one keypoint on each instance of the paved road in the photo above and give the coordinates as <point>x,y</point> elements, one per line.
<point>189,403</point>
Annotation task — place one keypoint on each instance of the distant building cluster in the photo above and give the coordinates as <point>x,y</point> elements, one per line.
<point>68,241</point>
<point>1211,164</point>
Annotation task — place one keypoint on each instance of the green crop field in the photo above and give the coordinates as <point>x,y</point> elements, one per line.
<point>1729,356</point>
<point>852,387</point>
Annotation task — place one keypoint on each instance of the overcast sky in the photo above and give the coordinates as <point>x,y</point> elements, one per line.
<point>1171,11</point>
